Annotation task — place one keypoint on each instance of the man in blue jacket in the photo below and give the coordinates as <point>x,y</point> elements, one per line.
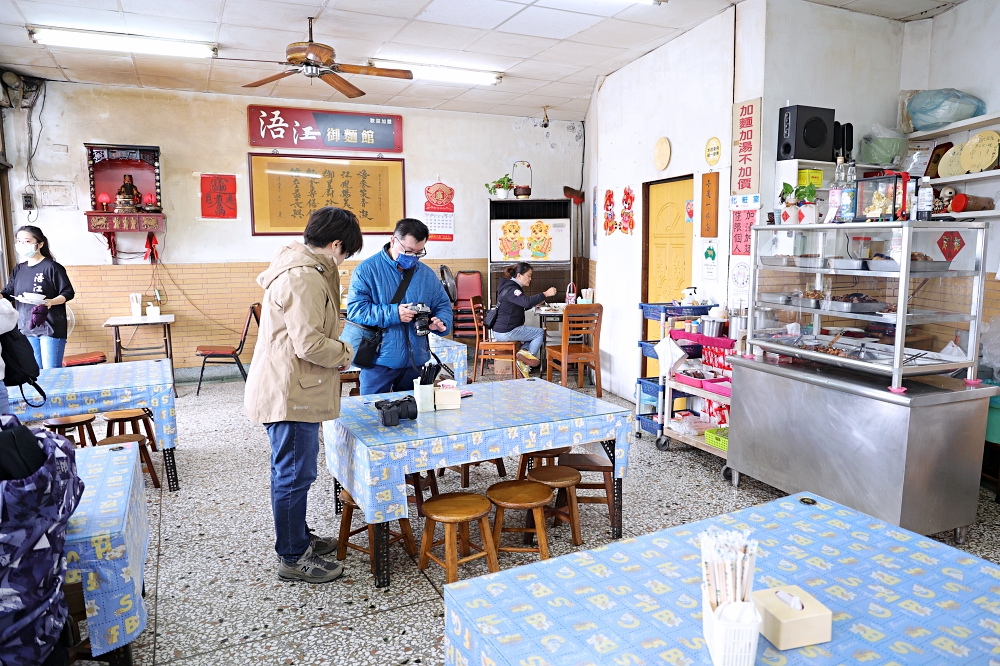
<point>373,285</point>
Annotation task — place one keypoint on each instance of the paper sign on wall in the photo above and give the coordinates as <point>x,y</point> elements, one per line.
<point>739,282</point>
<point>742,221</point>
<point>218,196</point>
<point>439,212</point>
<point>710,205</point>
<point>745,176</point>
<point>709,259</point>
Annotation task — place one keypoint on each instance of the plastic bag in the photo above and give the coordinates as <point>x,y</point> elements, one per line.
<point>883,147</point>
<point>931,109</point>
<point>903,121</point>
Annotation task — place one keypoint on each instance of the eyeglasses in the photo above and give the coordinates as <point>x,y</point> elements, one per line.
<point>420,254</point>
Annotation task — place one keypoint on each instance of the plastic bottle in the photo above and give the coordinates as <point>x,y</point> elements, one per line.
<point>836,187</point>
<point>849,194</point>
<point>925,199</point>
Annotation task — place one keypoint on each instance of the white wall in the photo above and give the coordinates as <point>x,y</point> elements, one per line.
<point>963,51</point>
<point>682,90</point>
<point>208,133</point>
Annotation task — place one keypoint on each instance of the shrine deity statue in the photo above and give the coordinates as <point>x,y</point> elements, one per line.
<point>128,189</point>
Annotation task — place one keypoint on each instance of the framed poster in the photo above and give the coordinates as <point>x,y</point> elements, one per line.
<point>290,127</point>
<point>285,189</point>
<point>531,240</point>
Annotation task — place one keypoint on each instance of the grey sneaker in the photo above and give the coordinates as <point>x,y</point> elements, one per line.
<point>310,568</point>
<point>321,546</point>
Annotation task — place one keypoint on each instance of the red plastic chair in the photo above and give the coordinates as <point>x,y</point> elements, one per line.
<point>223,354</point>
<point>467,285</point>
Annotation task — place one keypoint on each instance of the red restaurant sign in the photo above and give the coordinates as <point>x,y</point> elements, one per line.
<point>288,127</point>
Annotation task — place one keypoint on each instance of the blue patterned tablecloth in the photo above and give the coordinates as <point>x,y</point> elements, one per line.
<point>92,389</point>
<point>500,419</point>
<point>454,354</point>
<point>107,542</point>
<point>897,597</point>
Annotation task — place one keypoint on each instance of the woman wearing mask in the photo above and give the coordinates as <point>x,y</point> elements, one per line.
<point>294,381</point>
<point>42,313</point>
<point>512,303</point>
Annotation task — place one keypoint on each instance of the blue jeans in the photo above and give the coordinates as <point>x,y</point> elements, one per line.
<point>531,336</point>
<point>294,449</point>
<point>4,400</point>
<point>380,379</point>
<point>48,351</point>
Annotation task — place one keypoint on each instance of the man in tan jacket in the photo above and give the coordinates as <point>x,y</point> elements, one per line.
<point>294,380</point>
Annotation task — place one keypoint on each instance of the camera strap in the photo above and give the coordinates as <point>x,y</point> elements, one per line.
<point>403,286</point>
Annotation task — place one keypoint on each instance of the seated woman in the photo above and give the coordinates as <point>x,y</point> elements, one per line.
<point>512,302</point>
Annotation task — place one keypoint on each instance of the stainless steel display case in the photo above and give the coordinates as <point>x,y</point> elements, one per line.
<point>770,242</point>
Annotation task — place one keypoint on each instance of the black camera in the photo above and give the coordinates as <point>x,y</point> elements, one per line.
<point>391,411</point>
<point>422,320</point>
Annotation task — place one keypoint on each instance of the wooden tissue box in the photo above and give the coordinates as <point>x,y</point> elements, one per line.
<point>447,398</point>
<point>788,628</point>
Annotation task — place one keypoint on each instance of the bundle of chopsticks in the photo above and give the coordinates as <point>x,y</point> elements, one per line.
<point>727,565</point>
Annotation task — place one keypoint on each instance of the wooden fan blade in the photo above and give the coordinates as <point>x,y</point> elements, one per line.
<point>375,71</point>
<point>342,85</point>
<point>270,79</point>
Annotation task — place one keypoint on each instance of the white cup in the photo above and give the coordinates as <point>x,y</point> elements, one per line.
<point>424,395</point>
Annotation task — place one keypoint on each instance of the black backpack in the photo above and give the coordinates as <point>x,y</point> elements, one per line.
<point>21,367</point>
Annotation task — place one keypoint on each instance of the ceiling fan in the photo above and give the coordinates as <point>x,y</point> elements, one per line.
<point>316,60</point>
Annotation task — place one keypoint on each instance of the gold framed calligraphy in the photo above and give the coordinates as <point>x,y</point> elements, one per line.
<point>285,189</point>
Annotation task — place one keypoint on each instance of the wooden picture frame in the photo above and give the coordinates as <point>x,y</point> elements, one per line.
<point>285,189</point>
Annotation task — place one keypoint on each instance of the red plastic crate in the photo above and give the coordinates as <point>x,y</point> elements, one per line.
<point>715,357</point>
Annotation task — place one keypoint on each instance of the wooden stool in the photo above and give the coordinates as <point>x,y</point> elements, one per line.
<point>464,468</point>
<point>86,358</point>
<point>594,462</point>
<point>539,458</point>
<point>133,417</point>
<point>521,496</point>
<point>344,540</point>
<point>147,460</point>
<point>419,483</point>
<point>83,424</point>
<point>457,510</point>
<point>563,479</point>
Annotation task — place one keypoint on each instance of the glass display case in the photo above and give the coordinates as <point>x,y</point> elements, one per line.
<point>840,294</point>
<point>890,196</point>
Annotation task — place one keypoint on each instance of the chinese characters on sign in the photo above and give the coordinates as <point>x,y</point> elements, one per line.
<point>742,221</point>
<point>745,176</point>
<point>285,190</point>
<point>710,205</point>
<point>951,243</point>
<point>439,212</point>
<point>286,127</point>
<point>218,196</point>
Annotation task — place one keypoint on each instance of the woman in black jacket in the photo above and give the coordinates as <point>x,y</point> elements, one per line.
<point>512,302</point>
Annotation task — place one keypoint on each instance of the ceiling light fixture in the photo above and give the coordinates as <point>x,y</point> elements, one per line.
<point>443,74</point>
<point>111,41</point>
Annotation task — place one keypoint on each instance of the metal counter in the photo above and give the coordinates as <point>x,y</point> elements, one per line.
<point>911,459</point>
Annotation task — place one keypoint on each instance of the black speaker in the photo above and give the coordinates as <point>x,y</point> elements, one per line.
<point>805,133</point>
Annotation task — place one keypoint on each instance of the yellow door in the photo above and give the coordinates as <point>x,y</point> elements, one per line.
<point>668,254</point>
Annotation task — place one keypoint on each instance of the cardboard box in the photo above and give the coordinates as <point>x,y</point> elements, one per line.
<point>788,628</point>
<point>447,398</point>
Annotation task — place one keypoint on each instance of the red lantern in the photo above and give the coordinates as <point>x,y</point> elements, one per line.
<point>104,199</point>
<point>150,199</point>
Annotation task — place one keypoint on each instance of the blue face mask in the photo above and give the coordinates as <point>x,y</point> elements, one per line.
<point>407,261</point>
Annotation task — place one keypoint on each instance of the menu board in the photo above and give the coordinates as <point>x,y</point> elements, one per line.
<point>285,190</point>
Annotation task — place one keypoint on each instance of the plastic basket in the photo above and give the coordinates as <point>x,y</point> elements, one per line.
<point>655,310</point>
<point>650,387</point>
<point>693,351</point>
<point>719,441</point>
<point>648,348</point>
<point>647,423</point>
<point>729,643</point>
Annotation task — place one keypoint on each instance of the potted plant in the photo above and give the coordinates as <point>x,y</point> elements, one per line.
<point>806,195</point>
<point>501,186</point>
<point>790,213</point>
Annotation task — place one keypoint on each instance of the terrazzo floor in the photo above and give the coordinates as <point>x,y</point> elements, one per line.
<point>213,596</point>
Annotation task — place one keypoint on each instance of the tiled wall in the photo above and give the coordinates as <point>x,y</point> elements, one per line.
<point>209,301</point>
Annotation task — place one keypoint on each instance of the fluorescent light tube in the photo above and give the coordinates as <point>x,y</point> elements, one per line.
<point>110,41</point>
<point>444,74</point>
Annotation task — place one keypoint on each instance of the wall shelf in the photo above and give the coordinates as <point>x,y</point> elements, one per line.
<point>961,126</point>
<point>967,177</point>
<point>970,215</point>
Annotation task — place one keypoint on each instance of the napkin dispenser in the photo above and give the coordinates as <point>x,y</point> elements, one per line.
<point>788,624</point>
<point>447,398</point>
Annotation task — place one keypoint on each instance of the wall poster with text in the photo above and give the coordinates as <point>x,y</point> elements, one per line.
<point>286,189</point>
<point>218,196</point>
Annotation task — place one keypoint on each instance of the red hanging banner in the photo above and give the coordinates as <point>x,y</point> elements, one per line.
<point>218,196</point>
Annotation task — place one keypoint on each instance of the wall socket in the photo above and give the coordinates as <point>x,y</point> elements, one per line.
<point>27,201</point>
<point>344,272</point>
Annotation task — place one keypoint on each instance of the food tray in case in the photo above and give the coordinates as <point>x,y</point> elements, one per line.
<point>776,261</point>
<point>892,266</point>
<point>847,264</point>
<point>841,306</point>
<point>774,297</point>
<point>810,262</point>
<point>804,302</point>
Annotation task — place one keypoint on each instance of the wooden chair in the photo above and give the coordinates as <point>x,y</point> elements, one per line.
<point>464,468</point>
<point>527,496</point>
<point>594,462</point>
<point>117,421</point>
<point>456,511</point>
<point>347,378</point>
<point>84,424</point>
<point>405,534</point>
<point>541,457</point>
<point>147,460</point>
<point>565,480</point>
<point>488,349</point>
<point>86,358</point>
<point>223,354</point>
<point>578,320</point>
